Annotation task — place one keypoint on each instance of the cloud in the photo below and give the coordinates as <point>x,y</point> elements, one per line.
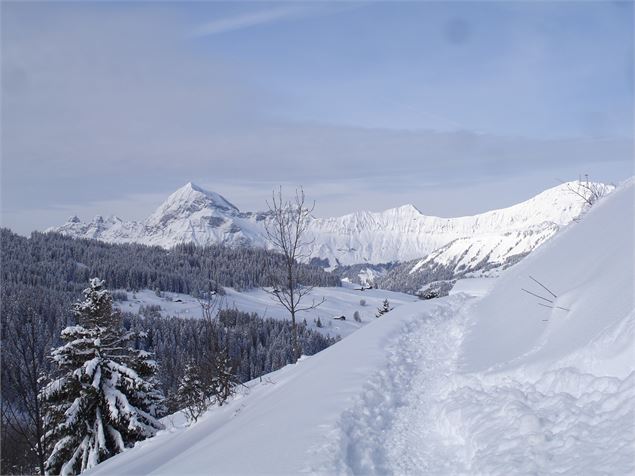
<point>102,103</point>
<point>246,20</point>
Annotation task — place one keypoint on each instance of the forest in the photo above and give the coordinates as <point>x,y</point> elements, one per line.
<point>44,275</point>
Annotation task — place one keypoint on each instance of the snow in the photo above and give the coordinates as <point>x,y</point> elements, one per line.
<point>473,286</point>
<point>474,383</point>
<point>569,266</point>
<point>339,301</point>
<point>491,248</point>
<point>192,214</point>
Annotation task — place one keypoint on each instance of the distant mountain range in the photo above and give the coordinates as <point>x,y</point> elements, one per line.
<point>488,240</point>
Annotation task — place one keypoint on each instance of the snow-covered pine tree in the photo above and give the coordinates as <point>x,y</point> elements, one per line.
<point>385,307</point>
<point>142,362</point>
<point>193,396</point>
<point>105,399</point>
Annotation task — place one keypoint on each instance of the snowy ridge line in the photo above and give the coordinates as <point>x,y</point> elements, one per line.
<point>192,214</point>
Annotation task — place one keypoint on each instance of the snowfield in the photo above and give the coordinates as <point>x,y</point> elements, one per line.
<point>484,381</point>
<point>338,301</point>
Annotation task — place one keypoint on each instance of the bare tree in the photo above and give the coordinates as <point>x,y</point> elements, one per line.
<point>211,303</point>
<point>589,192</point>
<point>24,349</point>
<point>286,231</point>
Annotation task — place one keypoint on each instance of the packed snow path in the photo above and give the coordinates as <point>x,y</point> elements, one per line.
<point>421,416</point>
<point>384,432</point>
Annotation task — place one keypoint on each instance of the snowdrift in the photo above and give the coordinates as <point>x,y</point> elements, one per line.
<point>479,385</point>
<point>589,267</point>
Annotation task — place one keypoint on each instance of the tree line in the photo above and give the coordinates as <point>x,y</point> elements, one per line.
<point>63,263</point>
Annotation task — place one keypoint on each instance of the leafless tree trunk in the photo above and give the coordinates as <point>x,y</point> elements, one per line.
<point>211,304</point>
<point>286,231</point>
<point>25,347</point>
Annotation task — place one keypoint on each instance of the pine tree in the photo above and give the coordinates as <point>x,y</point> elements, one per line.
<point>143,363</point>
<point>105,399</point>
<point>224,380</point>
<point>193,395</point>
<point>385,307</point>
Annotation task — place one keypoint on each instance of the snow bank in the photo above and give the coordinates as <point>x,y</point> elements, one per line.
<point>544,390</point>
<point>589,266</point>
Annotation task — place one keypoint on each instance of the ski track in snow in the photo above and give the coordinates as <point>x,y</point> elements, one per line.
<point>419,416</point>
<point>372,435</point>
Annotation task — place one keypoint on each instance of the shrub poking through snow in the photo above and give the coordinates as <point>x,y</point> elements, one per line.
<point>589,192</point>
<point>384,308</point>
<point>106,397</point>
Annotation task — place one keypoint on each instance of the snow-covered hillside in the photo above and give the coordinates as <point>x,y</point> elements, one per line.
<point>192,214</point>
<point>474,256</point>
<point>338,301</point>
<point>498,384</point>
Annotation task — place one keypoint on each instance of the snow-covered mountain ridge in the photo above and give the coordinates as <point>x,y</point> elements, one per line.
<point>192,214</point>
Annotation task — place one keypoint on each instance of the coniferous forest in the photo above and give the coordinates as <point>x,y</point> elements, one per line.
<point>43,278</point>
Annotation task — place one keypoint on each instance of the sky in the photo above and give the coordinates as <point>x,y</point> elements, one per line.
<point>455,107</point>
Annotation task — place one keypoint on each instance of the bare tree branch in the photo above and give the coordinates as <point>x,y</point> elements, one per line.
<point>536,295</point>
<point>542,286</point>
<point>589,192</point>
<point>286,232</point>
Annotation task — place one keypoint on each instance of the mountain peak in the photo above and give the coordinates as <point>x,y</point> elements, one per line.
<point>193,187</point>
<point>409,208</point>
<point>190,192</point>
<point>187,200</point>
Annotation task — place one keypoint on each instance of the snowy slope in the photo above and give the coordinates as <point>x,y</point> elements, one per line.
<point>463,384</point>
<point>474,256</point>
<point>590,269</point>
<point>338,301</point>
<point>192,214</point>
<point>538,390</point>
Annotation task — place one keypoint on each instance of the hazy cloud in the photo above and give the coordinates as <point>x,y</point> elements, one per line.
<point>108,110</point>
<point>246,20</point>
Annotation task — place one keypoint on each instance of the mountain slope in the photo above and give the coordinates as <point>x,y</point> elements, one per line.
<point>192,214</point>
<point>454,385</point>
<point>476,256</point>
